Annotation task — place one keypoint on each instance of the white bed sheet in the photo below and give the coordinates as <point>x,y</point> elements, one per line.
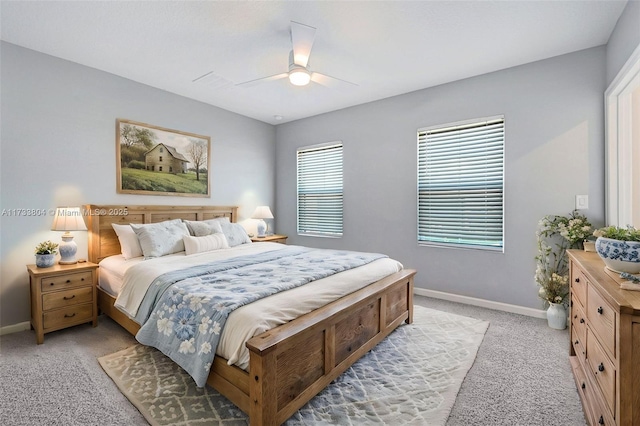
<point>249,320</point>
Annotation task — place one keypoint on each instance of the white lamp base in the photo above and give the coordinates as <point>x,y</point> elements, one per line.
<point>68,250</point>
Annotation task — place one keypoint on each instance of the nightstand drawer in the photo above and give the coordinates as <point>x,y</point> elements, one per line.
<point>65,281</point>
<point>61,299</point>
<point>75,314</point>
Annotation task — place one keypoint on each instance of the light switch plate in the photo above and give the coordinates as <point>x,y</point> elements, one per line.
<point>582,202</point>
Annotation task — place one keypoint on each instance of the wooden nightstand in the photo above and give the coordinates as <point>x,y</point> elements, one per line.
<point>275,238</point>
<point>62,296</point>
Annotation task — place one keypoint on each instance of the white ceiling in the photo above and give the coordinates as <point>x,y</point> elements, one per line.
<point>387,48</point>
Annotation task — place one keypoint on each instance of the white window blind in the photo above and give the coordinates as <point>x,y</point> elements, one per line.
<point>320,190</point>
<point>460,184</point>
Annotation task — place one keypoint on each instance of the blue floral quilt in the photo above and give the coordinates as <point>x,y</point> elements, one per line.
<point>184,311</point>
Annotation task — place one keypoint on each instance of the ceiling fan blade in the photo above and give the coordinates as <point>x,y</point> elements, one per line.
<point>329,81</point>
<point>302,41</point>
<point>251,83</point>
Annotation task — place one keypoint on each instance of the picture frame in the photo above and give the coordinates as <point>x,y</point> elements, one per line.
<point>153,160</point>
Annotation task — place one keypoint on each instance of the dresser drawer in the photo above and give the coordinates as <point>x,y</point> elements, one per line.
<point>578,320</point>
<point>579,346</point>
<point>603,370</point>
<point>578,284</point>
<point>602,319</point>
<point>60,299</point>
<point>62,282</point>
<point>71,315</point>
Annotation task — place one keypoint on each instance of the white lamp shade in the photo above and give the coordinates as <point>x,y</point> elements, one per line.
<point>262,212</point>
<point>68,219</point>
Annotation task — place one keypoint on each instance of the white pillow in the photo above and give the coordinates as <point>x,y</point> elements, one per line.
<point>235,234</point>
<point>202,228</point>
<point>193,245</point>
<point>159,239</point>
<point>129,245</point>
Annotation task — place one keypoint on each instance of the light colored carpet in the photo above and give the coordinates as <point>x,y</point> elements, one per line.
<point>412,377</point>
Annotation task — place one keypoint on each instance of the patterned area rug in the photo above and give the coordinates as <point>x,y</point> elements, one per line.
<point>411,377</point>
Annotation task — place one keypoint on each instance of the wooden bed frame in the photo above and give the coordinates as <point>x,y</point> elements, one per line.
<point>289,364</point>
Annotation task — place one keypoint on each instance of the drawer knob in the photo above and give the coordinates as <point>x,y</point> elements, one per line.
<point>69,298</point>
<point>601,367</point>
<point>81,279</point>
<point>601,420</point>
<point>600,310</point>
<point>577,280</point>
<point>70,316</point>
<point>68,281</point>
<point>52,284</point>
<point>583,385</point>
<point>581,320</point>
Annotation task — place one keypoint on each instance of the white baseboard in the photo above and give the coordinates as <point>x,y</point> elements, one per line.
<point>21,326</point>
<point>499,306</point>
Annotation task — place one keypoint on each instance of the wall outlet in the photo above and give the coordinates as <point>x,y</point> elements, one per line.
<point>582,202</point>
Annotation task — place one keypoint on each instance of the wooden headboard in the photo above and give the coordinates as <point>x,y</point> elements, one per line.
<point>103,241</point>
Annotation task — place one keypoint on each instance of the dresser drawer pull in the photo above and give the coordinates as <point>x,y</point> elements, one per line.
<point>601,420</point>
<point>69,298</point>
<point>581,320</point>
<point>601,367</point>
<point>52,283</point>
<point>583,386</point>
<point>70,316</point>
<point>577,342</point>
<point>600,310</point>
<point>577,280</point>
<point>68,281</point>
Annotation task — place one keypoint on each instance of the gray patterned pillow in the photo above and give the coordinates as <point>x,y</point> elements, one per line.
<point>203,228</point>
<point>235,234</point>
<point>162,238</point>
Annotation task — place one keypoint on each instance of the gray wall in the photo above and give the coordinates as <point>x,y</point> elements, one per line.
<point>554,150</point>
<point>58,148</point>
<point>624,39</point>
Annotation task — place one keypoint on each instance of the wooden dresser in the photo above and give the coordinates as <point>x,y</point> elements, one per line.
<point>605,342</point>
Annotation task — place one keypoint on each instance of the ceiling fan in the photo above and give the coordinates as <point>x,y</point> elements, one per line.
<point>299,74</point>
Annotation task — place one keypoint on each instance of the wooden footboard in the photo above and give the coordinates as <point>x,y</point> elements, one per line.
<point>292,363</point>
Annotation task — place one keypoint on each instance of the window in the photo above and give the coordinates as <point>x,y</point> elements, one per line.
<point>161,158</point>
<point>460,184</point>
<point>320,190</point>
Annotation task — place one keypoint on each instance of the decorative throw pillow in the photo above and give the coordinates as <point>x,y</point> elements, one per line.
<point>202,228</point>
<point>129,245</point>
<point>193,245</point>
<point>235,234</point>
<point>162,238</point>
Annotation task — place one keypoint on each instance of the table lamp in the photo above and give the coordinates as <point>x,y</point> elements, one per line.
<point>68,219</point>
<point>262,212</point>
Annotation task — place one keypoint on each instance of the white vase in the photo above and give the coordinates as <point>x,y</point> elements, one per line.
<point>45,260</point>
<point>557,316</point>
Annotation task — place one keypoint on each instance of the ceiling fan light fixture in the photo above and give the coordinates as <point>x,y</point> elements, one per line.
<point>299,77</point>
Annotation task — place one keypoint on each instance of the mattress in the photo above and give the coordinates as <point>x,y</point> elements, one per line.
<point>119,277</point>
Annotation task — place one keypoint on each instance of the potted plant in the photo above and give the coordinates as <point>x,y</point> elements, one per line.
<point>555,235</point>
<point>619,248</point>
<point>46,254</point>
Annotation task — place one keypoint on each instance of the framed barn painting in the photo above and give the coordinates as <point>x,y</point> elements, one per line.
<point>153,160</point>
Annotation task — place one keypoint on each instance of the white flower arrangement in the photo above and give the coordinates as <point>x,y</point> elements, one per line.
<point>555,235</point>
